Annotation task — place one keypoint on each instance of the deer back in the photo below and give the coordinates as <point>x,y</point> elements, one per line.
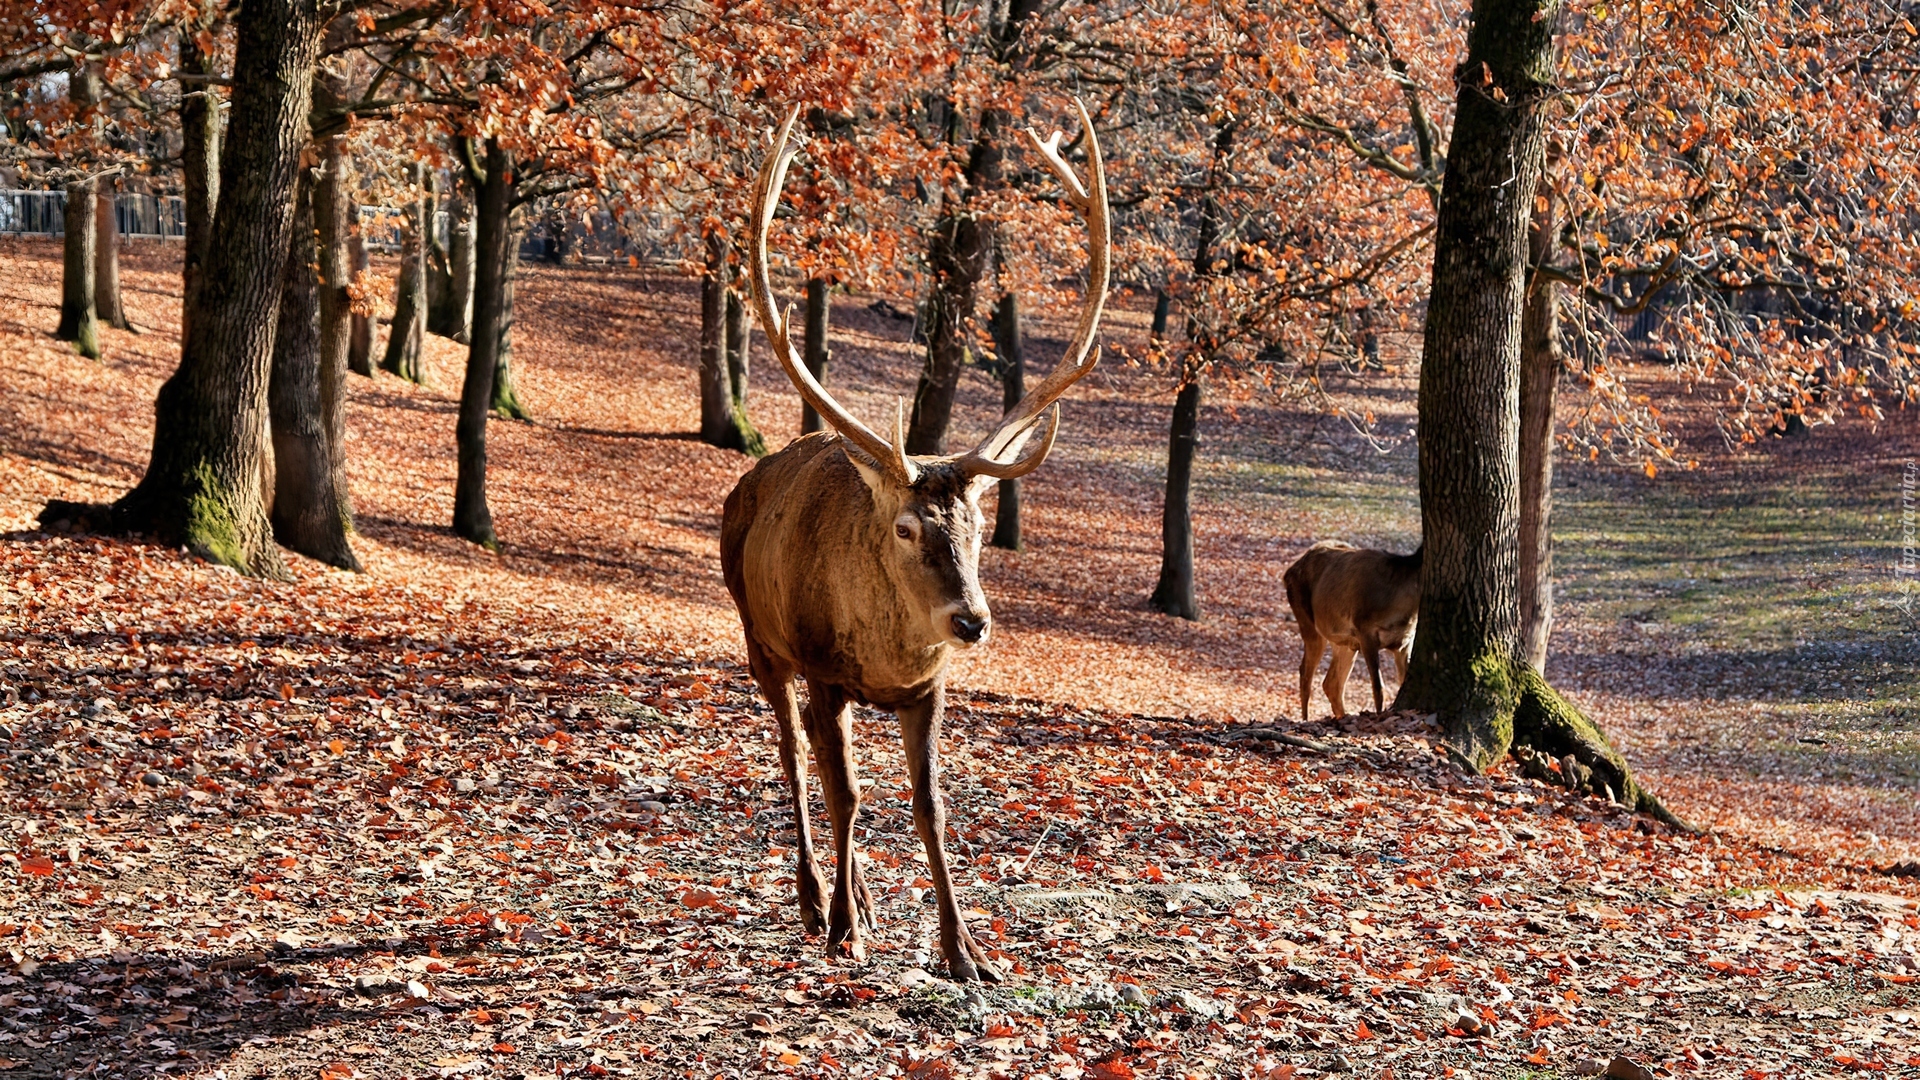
<point>1357,596</point>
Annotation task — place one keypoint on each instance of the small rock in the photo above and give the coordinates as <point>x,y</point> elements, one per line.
<point>652,807</point>
<point>1587,1066</point>
<point>1131,994</point>
<point>1469,1023</point>
<point>418,989</point>
<point>760,1020</point>
<point>1521,832</point>
<point>153,779</point>
<point>1625,1068</point>
<point>1339,1063</point>
<point>375,985</point>
<point>464,785</point>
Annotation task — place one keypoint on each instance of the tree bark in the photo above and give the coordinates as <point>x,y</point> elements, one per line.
<point>1467,667</point>
<point>1162,307</point>
<point>506,397</point>
<point>333,221</point>
<point>79,319</point>
<point>1175,593</point>
<point>739,364</point>
<point>453,313</point>
<point>360,337</point>
<point>958,256</point>
<point>310,512</point>
<point>722,421</point>
<point>1540,366</point>
<point>493,234</point>
<point>203,485</point>
<point>406,339</point>
<point>816,355</point>
<point>1005,324</point>
<point>106,261</point>
<point>199,165</point>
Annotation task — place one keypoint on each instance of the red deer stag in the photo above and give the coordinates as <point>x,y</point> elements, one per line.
<point>1358,600</point>
<point>857,567</point>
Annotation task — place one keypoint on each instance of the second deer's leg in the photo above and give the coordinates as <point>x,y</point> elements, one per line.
<point>776,682</point>
<point>830,726</point>
<point>920,732</point>
<point>1336,684</point>
<point>1400,664</point>
<point>1313,645</point>
<point>1373,669</point>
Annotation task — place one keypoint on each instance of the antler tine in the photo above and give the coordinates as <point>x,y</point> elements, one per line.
<point>1025,463</point>
<point>1081,356</point>
<point>766,196</point>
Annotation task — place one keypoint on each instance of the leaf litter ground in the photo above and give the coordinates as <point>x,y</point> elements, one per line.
<point>521,815</point>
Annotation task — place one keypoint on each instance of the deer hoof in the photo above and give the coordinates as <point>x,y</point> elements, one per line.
<point>852,948</point>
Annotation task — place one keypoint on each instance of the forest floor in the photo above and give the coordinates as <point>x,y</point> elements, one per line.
<point>520,814</point>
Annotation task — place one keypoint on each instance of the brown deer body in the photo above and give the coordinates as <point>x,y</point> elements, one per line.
<point>1357,600</point>
<point>856,567</point>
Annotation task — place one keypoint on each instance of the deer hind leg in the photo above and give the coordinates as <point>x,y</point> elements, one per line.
<point>1313,647</point>
<point>1400,664</point>
<point>920,732</point>
<point>830,726</point>
<point>776,682</point>
<point>1373,669</point>
<point>1336,684</point>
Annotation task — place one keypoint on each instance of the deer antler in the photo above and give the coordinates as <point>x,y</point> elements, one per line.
<point>1019,422</point>
<point>890,456</point>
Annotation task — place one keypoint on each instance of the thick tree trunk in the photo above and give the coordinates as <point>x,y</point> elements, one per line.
<point>360,337</point>
<point>203,485</point>
<point>722,421</point>
<point>199,166</point>
<point>1162,307</point>
<point>739,365</point>
<point>106,261</point>
<point>1013,386</point>
<point>79,320</point>
<point>1174,594</point>
<point>1467,666</point>
<point>506,397</point>
<point>309,515</point>
<point>493,255</point>
<point>1540,364</point>
<point>453,313</point>
<point>406,339</point>
<point>333,223</point>
<point>816,355</point>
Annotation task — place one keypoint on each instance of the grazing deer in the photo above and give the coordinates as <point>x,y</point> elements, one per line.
<point>1358,600</point>
<point>857,566</point>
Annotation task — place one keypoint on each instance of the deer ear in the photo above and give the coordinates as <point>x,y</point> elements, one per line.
<point>877,479</point>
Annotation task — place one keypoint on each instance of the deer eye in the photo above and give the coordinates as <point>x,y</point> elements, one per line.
<point>902,532</point>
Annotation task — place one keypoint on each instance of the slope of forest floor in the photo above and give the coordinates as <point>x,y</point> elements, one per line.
<point>520,814</point>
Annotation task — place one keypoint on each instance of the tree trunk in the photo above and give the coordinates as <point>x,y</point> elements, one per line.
<point>816,355</point>
<point>1162,307</point>
<point>453,313</point>
<point>720,417</point>
<point>493,254</point>
<point>106,261</point>
<point>360,337</point>
<point>1540,364</point>
<point>333,222</point>
<point>309,515</point>
<point>79,321</point>
<point>739,360</point>
<point>1466,665</point>
<point>1174,594</point>
<point>199,166</point>
<point>1013,386</point>
<point>203,485</point>
<point>506,398</point>
<point>407,337</point>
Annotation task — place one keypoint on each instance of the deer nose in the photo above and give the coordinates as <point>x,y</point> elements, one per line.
<point>969,628</point>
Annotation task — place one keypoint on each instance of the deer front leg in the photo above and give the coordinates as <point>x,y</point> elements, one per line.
<point>920,732</point>
<point>1373,669</point>
<point>1312,646</point>
<point>776,683</point>
<point>830,726</point>
<point>1336,684</point>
